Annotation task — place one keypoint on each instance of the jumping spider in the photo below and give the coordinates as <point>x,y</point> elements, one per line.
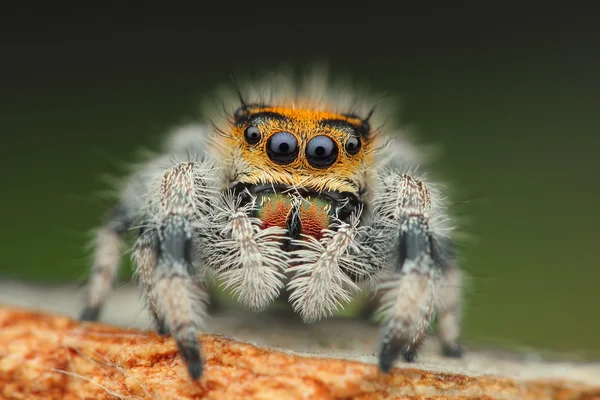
<point>292,190</point>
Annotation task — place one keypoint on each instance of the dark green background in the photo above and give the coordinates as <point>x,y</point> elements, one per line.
<point>512,95</point>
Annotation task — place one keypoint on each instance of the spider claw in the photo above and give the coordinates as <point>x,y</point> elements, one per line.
<point>190,352</point>
<point>385,362</point>
<point>387,356</point>
<point>452,351</point>
<point>391,350</point>
<point>410,355</point>
<point>90,314</point>
<point>162,329</point>
<point>395,345</point>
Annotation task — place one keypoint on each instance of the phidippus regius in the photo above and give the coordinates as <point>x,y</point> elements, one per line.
<point>304,192</point>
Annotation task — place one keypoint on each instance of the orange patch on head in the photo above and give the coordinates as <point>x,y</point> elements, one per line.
<point>340,168</point>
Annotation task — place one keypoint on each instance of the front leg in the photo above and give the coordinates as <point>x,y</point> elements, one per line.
<point>409,295</point>
<point>402,230</point>
<point>164,255</point>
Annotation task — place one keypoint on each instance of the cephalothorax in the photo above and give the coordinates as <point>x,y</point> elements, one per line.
<point>298,192</point>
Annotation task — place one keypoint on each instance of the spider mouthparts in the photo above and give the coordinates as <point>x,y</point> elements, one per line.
<point>341,204</point>
<point>301,211</point>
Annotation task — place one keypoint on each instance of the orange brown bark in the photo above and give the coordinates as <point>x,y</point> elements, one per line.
<point>45,356</point>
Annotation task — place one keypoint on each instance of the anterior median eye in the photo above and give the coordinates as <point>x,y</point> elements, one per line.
<point>321,151</point>
<point>282,147</point>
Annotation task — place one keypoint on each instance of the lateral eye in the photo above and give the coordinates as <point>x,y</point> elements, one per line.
<point>282,147</point>
<point>252,134</point>
<point>321,151</point>
<point>353,145</point>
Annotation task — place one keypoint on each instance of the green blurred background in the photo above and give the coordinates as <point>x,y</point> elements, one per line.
<point>511,95</point>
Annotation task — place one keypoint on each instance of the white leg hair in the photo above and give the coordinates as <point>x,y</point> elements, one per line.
<point>146,259</point>
<point>170,200</point>
<point>187,228</point>
<point>184,142</point>
<point>407,219</point>
<point>177,206</point>
<point>449,309</point>
<point>107,257</point>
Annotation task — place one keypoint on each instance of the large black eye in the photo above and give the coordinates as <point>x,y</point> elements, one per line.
<point>252,134</point>
<point>321,151</point>
<point>353,145</point>
<point>282,148</point>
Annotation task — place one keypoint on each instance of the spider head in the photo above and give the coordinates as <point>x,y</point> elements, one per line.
<point>304,149</point>
<point>318,156</point>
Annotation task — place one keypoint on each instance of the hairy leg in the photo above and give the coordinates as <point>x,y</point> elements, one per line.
<point>174,297</point>
<point>448,309</point>
<point>408,299</point>
<point>146,256</point>
<point>107,257</point>
<point>170,201</point>
<point>403,230</point>
<point>130,209</point>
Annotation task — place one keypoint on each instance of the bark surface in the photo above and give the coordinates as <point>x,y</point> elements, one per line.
<point>50,356</point>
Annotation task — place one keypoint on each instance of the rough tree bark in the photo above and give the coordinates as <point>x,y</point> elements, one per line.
<point>48,356</point>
